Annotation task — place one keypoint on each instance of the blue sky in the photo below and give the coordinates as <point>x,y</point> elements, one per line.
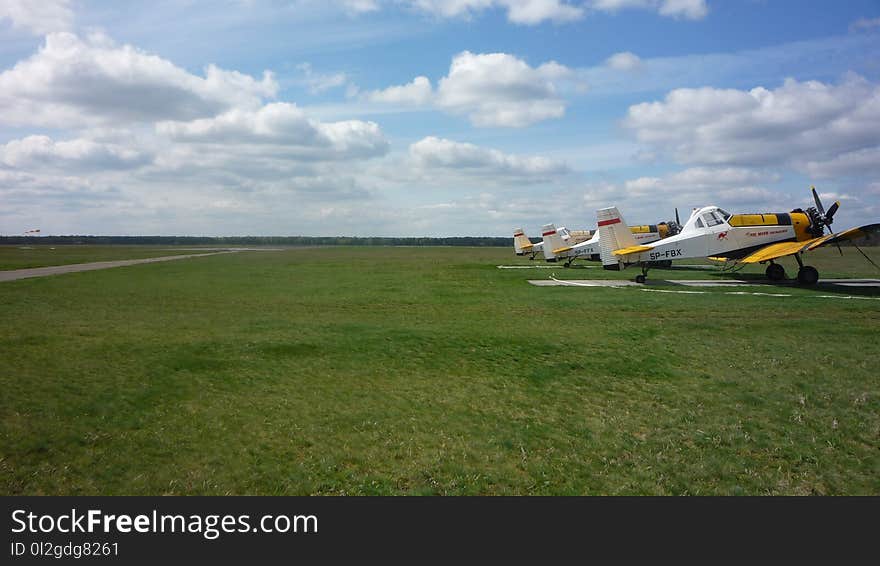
<point>424,117</point>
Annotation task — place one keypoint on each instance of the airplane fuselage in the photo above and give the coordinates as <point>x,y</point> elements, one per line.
<point>591,249</point>
<point>711,232</point>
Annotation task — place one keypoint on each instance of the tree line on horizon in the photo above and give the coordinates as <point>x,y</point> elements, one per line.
<point>479,241</point>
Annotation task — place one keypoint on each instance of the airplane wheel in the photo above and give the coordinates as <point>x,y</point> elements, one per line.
<point>566,264</point>
<point>640,278</point>
<point>807,275</point>
<point>775,272</point>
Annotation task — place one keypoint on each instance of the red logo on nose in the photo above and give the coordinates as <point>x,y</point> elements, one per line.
<point>722,235</point>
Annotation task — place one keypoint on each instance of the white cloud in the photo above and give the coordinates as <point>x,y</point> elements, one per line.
<point>418,92</point>
<point>624,61</point>
<point>690,9</point>
<point>792,124</point>
<point>465,158</point>
<point>30,198</point>
<point>818,57</point>
<point>38,16</point>
<point>491,89</point>
<point>534,12</point>
<point>72,82</point>
<point>285,127</point>
<point>717,177</point>
<point>864,24</point>
<point>526,12</point>
<point>361,6</point>
<point>654,199</point>
<point>40,152</point>
<point>865,161</point>
<point>531,12</point>
<point>170,149</point>
<point>497,89</point>
<point>320,82</point>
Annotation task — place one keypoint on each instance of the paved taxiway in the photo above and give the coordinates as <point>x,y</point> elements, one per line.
<point>12,275</point>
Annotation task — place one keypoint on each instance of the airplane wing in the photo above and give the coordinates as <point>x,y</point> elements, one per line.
<point>782,249</point>
<point>851,234</point>
<point>632,250</point>
<point>526,246</point>
<point>560,250</point>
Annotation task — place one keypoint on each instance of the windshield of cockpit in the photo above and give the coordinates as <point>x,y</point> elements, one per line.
<point>712,218</point>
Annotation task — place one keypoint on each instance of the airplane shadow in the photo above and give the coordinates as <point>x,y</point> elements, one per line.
<point>871,288</point>
<point>730,279</point>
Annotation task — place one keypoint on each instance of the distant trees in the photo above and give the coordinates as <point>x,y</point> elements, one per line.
<point>480,241</point>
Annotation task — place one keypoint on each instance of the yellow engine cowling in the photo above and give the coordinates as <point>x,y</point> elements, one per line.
<point>799,220</point>
<point>643,229</point>
<point>801,223</point>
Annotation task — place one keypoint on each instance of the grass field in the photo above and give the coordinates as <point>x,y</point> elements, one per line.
<point>430,371</point>
<point>23,257</point>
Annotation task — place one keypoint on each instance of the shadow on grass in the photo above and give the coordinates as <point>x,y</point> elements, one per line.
<point>869,290</point>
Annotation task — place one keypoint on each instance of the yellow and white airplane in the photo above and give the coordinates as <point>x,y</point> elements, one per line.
<point>556,248</point>
<point>522,245</point>
<point>739,238</point>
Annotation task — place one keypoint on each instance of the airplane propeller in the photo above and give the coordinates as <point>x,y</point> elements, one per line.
<point>674,227</point>
<point>832,210</point>
<point>824,219</point>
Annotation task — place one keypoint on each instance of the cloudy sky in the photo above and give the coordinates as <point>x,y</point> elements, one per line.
<point>430,117</point>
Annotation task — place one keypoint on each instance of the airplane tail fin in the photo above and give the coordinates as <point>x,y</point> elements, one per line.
<point>521,243</point>
<point>552,241</point>
<point>614,234</point>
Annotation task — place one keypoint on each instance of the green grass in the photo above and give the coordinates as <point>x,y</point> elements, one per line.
<point>429,371</point>
<point>23,257</point>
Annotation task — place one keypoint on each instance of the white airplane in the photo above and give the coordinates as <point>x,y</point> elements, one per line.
<point>522,245</point>
<point>738,238</point>
<point>555,248</point>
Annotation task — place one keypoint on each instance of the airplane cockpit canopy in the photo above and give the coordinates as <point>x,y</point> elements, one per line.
<point>710,216</point>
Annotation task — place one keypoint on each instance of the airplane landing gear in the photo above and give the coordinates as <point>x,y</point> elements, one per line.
<point>644,276</point>
<point>640,278</point>
<point>807,274</point>
<point>775,272</point>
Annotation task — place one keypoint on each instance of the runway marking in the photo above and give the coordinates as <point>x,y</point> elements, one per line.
<point>582,283</point>
<point>675,291</point>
